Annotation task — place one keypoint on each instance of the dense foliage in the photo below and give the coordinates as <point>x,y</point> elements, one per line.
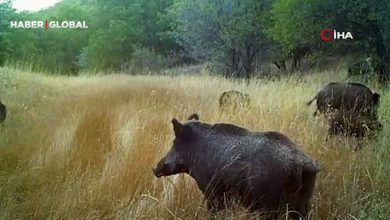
<point>235,37</point>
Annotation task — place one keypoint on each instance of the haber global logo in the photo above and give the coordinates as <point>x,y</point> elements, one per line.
<point>329,34</point>
<point>49,24</point>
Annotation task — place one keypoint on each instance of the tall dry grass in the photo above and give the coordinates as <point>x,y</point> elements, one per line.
<point>83,147</point>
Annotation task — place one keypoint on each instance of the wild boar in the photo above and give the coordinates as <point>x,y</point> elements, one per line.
<point>352,124</point>
<point>3,112</point>
<point>264,171</point>
<point>233,100</point>
<point>346,97</point>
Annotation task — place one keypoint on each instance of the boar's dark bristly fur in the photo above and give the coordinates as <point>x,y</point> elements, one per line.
<point>265,171</point>
<point>346,97</point>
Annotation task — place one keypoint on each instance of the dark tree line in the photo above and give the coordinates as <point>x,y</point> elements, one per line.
<point>234,37</point>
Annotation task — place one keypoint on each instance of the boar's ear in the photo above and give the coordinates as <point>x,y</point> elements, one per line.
<point>194,117</point>
<point>181,131</point>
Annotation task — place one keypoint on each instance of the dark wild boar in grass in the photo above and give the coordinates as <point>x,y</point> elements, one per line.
<point>346,97</point>
<point>264,171</point>
<point>352,124</point>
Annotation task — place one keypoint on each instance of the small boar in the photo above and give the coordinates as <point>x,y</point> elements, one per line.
<point>345,97</point>
<point>233,100</point>
<point>3,112</point>
<point>352,124</point>
<point>264,171</point>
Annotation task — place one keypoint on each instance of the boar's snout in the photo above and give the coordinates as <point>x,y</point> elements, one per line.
<point>159,170</point>
<point>156,173</point>
<point>162,169</point>
<point>171,164</point>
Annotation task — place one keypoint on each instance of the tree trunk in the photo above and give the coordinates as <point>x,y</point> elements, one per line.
<point>297,55</point>
<point>233,63</point>
<point>247,61</point>
<point>384,68</point>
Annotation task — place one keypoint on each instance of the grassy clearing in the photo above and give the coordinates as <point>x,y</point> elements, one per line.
<point>83,147</point>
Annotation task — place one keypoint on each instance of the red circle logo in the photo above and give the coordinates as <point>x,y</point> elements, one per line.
<point>326,34</point>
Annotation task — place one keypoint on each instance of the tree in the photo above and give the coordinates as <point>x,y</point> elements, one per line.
<point>126,26</point>
<point>6,15</point>
<point>215,30</point>
<point>297,23</point>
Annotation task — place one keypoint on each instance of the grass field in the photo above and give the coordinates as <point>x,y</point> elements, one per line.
<point>83,147</point>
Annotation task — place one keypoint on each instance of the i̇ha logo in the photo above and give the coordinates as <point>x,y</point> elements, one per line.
<point>49,24</point>
<point>328,35</point>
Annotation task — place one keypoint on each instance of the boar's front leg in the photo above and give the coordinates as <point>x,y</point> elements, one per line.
<point>302,200</point>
